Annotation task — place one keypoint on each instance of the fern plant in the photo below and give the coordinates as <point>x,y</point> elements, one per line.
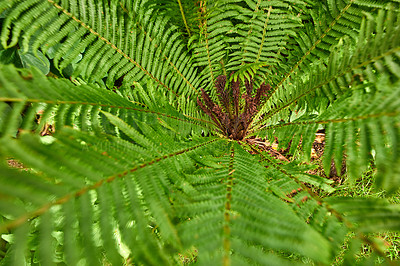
<point>157,110</point>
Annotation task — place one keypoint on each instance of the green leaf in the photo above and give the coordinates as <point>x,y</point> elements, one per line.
<point>38,60</point>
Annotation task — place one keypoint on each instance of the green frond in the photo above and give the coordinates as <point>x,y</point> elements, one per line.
<point>264,28</point>
<point>287,184</point>
<point>180,12</point>
<point>70,158</point>
<point>111,39</point>
<point>370,215</point>
<point>326,23</point>
<point>360,125</point>
<point>209,45</point>
<point>27,94</point>
<point>231,215</point>
<point>347,66</point>
<point>330,216</point>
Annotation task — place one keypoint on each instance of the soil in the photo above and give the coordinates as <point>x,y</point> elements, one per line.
<point>317,151</point>
<point>15,164</point>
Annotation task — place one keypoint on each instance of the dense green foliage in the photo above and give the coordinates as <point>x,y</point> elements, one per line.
<point>153,108</point>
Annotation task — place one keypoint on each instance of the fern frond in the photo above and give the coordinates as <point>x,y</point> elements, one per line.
<point>370,215</point>
<point>343,71</point>
<point>327,24</point>
<point>209,46</point>
<point>180,12</point>
<point>331,217</point>
<point>231,213</point>
<point>123,178</point>
<point>356,125</point>
<point>62,103</point>
<point>264,29</point>
<point>112,46</point>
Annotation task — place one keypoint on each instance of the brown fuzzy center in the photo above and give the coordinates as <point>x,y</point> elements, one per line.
<point>233,116</point>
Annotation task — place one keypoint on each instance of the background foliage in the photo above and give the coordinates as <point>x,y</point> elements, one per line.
<point>99,100</point>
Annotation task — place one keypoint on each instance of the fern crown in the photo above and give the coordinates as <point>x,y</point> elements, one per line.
<point>159,132</point>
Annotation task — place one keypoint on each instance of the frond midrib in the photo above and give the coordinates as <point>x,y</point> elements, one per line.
<point>44,208</point>
<point>118,50</point>
<point>57,102</point>
<point>307,92</point>
<point>339,120</point>
<point>306,54</point>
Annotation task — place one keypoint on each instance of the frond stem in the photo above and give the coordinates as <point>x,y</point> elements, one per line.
<point>228,195</point>
<point>254,148</point>
<point>264,32</point>
<point>33,214</point>
<point>312,47</point>
<point>4,99</point>
<point>342,120</point>
<point>113,46</point>
<point>374,59</point>
<point>250,30</point>
<point>319,200</point>
<point>165,57</point>
<point>183,17</point>
<point>203,8</point>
